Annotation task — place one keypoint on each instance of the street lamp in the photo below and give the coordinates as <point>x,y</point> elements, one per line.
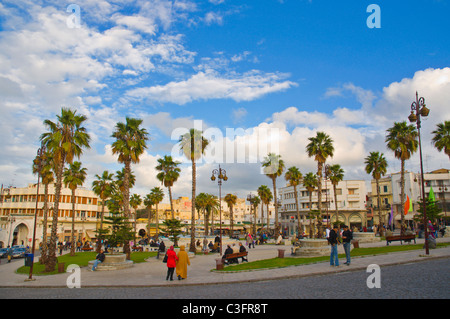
<point>221,176</point>
<point>40,152</point>
<point>419,109</point>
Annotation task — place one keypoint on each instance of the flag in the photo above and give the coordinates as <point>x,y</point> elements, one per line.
<point>407,205</point>
<point>431,197</point>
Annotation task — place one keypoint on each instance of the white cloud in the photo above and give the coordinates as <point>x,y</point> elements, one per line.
<point>211,85</point>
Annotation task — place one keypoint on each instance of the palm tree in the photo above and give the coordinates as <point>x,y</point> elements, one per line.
<point>293,176</point>
<point>310,182</point>
<point>102,187</point>
<point>44,166</point>
<point>231,200</point>
<point>149,201</point>
<point>255,201</point>
<point>321,147</point>
<point>129,145</point>
<point>65,141</point>
<point>169,173</point>
<point>193,145</point>
<point>273,167</point>
<point>336,174</point>
<point>376,165</point>
<point>402,140</point>
<point>265,196</point>
<point>201,201</point>
<point>158,195</point>
<point>135,201</point>
<point>441,138</point>
<point>74,176</point>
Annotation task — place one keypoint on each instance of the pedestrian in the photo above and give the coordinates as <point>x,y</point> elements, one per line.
<point>347,236</point>
<point>98,260</point>
<point>183,262</point>
<point>171,262</point>
<point>333,240</point>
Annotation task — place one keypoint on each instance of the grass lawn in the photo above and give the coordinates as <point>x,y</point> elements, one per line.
<point>81,259</point>
<point>296,261</point>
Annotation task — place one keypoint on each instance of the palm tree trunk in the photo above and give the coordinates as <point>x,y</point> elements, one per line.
<point>311,233</point>
<point>157,221</point>
<point>298,211</point>
<point>402,197</point>
<point>171,204</point>
<point>336,204</point>
<point>51,258</point>
<point>277,227</point>
<point>380,222</point>
<point>72,246</point>
<point>192,244</point>
<point>231,219</point>
<point>126,203</point>
<point>319,187</point>
<point>268,217</point>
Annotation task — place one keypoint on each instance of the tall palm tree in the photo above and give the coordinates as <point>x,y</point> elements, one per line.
<point>320,147</point>
<point>135,201</point>
<point>129,145</point>
<point>200,205</point>
<point>149,201</point>
<point>103,187</point>
<point>158,195</point>
<point>273,167</point>
<point>255,201</point>
<point>74,176</point>
<point>294,177</point>
<point>212,208</point>
<point>441,138</point>
<point>265,195</point>
<point>168,175</point>
<point>231,200</point>
<point>65,140</point>
<point>376,165</point>
<point>44,166</point>
<point>336,174</point>
<point>310,182</point>
<point>193,145</point>
<point>402,140</point>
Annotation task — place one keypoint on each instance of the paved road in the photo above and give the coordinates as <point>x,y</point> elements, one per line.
<point>418,280</point>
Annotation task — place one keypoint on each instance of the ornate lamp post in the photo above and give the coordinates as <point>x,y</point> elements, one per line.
<point>419,109</point>
<point>221,176</point>
<point>40,152</point>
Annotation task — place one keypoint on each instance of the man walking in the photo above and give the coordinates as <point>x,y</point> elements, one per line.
<point>333,240</point>
<point>347,237</point>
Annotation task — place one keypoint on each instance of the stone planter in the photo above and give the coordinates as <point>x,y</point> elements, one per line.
<point>313,248</point>
<point>362,237</point>
<point>113,262</point>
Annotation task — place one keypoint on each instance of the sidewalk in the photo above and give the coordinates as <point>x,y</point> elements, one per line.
<point>153,272</point>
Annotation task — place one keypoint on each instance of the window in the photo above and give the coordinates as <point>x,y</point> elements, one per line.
<point>385,188</point>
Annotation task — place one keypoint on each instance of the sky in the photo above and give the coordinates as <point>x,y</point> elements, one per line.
<point>256,76</point>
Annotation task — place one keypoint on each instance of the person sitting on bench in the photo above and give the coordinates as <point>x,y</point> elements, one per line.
<point>229,251</point>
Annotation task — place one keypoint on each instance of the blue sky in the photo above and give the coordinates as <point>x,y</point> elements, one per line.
<point>297,66</point>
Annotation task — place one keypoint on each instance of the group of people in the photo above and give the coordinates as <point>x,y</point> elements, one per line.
<point>177,262</point>
<point>233,249</point>
<point>334,239</point>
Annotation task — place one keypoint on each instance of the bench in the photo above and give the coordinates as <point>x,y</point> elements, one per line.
<point>87,248</point>
<point>234,257</point>
<point>137,248</point>
<point>400,238</point>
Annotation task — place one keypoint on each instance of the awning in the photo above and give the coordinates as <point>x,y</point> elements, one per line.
<point>90,234</point>
<point>407,217</point>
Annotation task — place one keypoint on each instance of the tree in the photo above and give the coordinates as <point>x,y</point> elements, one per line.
<point>273,167</point>
<point>129,145</point>
<point>168,175</point>
<point>265,196</point>
<point>74,176</point>
<point>320,147</point>
<point>402,140</point>
<point>441,138</point>
<point>103,187</point>
<point>149,201</point>
<point>433,211</point>
<point>336,174</point>
<point>310,182</point>
<point>157,195</point>
<point>254,202</point>
<point>172,229</point>
<point>293,176</point>
<point>44,165</point>
<point>65,140</point>
<point>135,201</point>
<point>376,165</point>
<point>212,207</point>
<point>193,145</point>
<point>231,199</point>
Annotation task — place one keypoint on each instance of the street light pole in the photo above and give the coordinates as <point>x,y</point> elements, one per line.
<point>40,152</point>
<point>221,176</point>
<point>418,109</point>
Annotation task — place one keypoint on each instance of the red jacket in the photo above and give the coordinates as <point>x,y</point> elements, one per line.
<point>171,259</point>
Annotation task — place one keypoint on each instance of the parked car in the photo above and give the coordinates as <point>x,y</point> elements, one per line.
<point>3,252</point>
<point>19,252</point>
